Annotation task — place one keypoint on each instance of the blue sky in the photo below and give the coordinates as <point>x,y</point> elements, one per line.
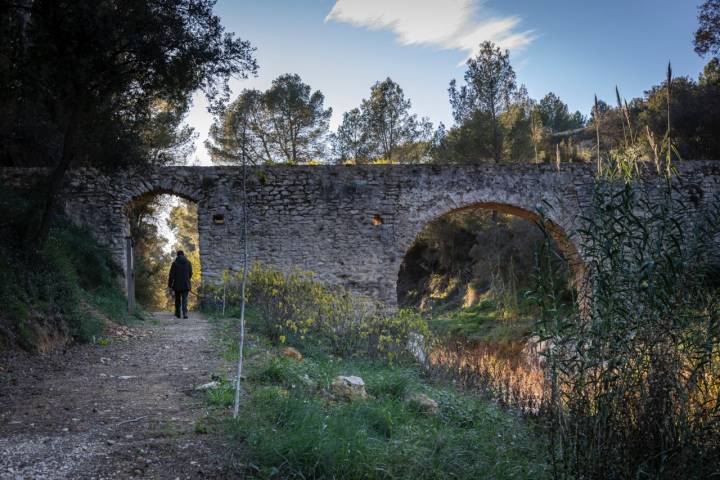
<point>573,48</point>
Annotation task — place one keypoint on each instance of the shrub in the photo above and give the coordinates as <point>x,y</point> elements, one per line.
<point>292,306</point>
<point>402,335</point>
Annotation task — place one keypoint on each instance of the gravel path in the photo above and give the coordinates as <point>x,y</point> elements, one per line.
<point>126,410</point>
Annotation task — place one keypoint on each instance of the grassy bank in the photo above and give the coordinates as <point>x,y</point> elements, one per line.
<point>292,426</point>
<point>65,291</point>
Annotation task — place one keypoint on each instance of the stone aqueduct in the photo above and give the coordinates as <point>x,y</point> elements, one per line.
<point>350,225</point>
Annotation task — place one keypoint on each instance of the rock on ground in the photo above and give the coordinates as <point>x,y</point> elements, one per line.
<point>290,352</point>
<point>423,403</point>
<point>349,387</point>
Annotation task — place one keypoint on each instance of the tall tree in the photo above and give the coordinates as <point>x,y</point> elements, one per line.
<point>556,116</point>
<point>91,72</point>
<point>707,37</point>
<point>164,138</point>
<point>243,130</point>
<point>149,250</point>
<point>489,86</point>
<point>285,124</point>
<point>389,123</point>
<point>352,141</point>
<point>516,123</point>
<point>298,118</point>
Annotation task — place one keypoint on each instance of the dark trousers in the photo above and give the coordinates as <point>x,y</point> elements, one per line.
<point>181,298</point>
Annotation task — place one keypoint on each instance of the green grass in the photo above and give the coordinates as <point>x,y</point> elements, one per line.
<point>290,428</point>
<point>483,322</point>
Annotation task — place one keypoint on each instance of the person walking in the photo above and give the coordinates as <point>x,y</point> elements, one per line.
<point>179,282</point>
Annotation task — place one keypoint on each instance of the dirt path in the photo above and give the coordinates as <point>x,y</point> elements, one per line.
<point>126,410</point>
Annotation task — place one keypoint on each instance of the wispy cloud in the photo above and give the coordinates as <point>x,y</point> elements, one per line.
<point>449,24</point>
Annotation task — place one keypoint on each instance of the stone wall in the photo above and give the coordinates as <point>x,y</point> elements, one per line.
<point>349,225</point>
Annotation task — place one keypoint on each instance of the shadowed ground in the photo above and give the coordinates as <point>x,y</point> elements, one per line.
<point>126,410</point>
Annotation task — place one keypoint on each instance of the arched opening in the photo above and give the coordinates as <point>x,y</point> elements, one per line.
<point>471,269</point>
<point>474,273</point>
<point>160,223</point>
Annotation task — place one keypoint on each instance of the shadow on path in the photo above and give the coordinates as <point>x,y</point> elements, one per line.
<point>126,410</point>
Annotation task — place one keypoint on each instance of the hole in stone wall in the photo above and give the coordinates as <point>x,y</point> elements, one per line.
<point>219,219</point>
<point>377,220</point>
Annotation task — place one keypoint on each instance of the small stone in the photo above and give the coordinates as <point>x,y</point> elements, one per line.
<point>290,352</point>
<point>423,403</point>
<point>126,377</point>
<point>207,386</point>
<point>349,387</point>
<point>307,381</point>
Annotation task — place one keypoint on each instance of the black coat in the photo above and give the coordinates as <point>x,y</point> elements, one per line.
<point>180,274</point>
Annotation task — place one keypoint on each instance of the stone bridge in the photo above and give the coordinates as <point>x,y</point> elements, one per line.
<point>351,225</point>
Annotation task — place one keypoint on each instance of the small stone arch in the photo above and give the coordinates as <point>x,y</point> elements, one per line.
<point>138,192</point>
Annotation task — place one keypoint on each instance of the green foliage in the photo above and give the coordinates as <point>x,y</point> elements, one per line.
<point>293,307</point>
<point>495,120</point>
<point>285,124</point>
<point>490,83</point>
<point>221,396</point>
<point>286,429</point>
<point>63,88</point>
<point>555,115</point>
<point>151,261</point>
<point>67,287</point>
<point>382,130</point>
<point>635,379</point>
<point>707,37</point>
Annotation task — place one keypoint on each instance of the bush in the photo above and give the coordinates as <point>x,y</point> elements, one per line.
<point>292,306</point>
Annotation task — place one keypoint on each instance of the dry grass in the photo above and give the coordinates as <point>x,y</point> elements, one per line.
<point>500,369</point>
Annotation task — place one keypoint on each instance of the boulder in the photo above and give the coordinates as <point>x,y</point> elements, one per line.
<point>349,387</point>
<point>423,403</point>
<point>290,352</point>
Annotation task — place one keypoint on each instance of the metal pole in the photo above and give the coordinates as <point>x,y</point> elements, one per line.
<point>241,343</point>
<point>130,274</point>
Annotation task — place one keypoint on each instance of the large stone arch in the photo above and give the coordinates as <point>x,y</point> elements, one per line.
<point>540,216</point>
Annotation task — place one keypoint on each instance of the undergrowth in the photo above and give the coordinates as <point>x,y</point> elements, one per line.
<point>290,426</point>
<point>66,289</point>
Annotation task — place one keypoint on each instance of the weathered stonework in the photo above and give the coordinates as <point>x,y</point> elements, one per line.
<point>350,225</point>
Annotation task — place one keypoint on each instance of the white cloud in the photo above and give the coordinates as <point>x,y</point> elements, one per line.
<point>449,24</point>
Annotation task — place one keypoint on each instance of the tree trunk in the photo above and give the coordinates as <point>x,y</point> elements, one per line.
<point>496,141</point>
<point>37,237</point>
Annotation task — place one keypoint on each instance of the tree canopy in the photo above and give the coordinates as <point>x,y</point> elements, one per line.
<point>382,129</point>
<point>85,81</point>
<point>707,36</point>
<point>490,82</point>
<point>285,124</point>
